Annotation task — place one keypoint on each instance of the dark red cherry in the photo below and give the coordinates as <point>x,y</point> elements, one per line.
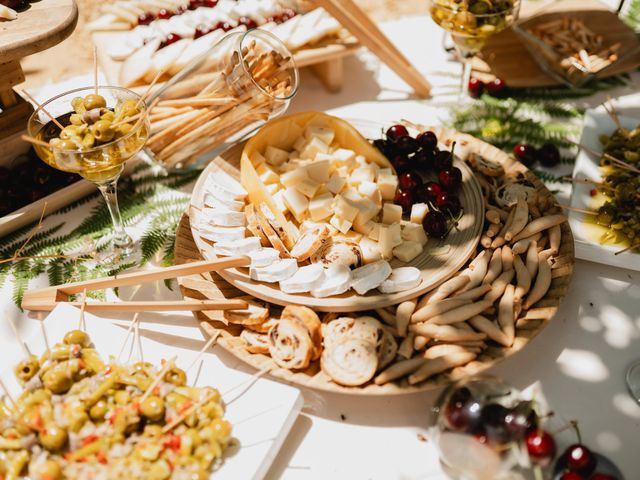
<point>404,198</point>
<point>170,39</point>
<point>145,18</point>
<point>476,87</point>
<point>224,26</point>
<point>580,459</point>
<point>450,179</point>
<point>449,203</point>
<point>164,14</point>
<point>568,475</point>
<point>288,14</point>
<point>427,140</point>
<point>443,160</point>
<point>525,154</point>
<point>247,22</point>
<point>193,4</point>
<point>496,88</point>
<point>541,447</point>
<point>462,411</point>
<point>201,31</point>
<point>407,145</point>
<point>423,158</point>
<point>210,3</point>
<point>409,181</point>
<point>431,191</point>
<point>435,225</point>
<point>277,18</point>
<point>493,418</point>
<point>401,163</point>
<point>396,131</point>
<point>521,420</point>
<point>549,155</point>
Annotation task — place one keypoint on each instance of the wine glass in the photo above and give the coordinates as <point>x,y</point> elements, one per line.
<point>101,164</point>
<point>471,23</point>
<point>632,379</point>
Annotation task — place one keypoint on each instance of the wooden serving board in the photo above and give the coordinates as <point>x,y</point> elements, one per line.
<point>506,57</point>
<point>212,286</point>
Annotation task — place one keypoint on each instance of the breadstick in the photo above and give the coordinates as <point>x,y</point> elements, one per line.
<point>507,258</point>
<point>387,317</point>
<point>495,266</point>
<point>501,213</point>
<point>521,246</point>
<point>542,243</point>
<point>445,333</point>
<point>439,365</point>
<point>474,292</point>
<point>419,342</point>
<point>520,218</point>
<point>493,230</point>
<point>448,287</point>
<point>540,313</point>
<point>437,308</point>
<point>404,315</point>
<point>499,286</point>
<point>460,314</point>
<point>532,259</point>
<point>477,270</point>
<point>555,236</point>
<point>505,314</point>
<point>500,240</point>
<point>493,217</point>
<point>484,325</point>
<point>523,277</point>
<point>445,349</point>
<point>399,370</point>
<point>540,224</point>
<point>542,284</point>
<point>485,241</point>
<point>406,347</point>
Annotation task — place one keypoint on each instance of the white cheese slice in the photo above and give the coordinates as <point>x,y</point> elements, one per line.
<point>264,257</point>
<point>336,280</point>
<point>230,187</point>
<point>223,217</point>
<point>279,270</point>
<point>237,247</point>
<point>221,234</point>
<point>217,199</point>
<point>391,213</point>
<point>401,279</point>
<point>137,65</point>
<point>407,251</point>
<point>370,276</point>
<point>321,207</point>
<point>195,49</point>
<point>304,280</point>
<point>418,212</point>
<point>165,57</point>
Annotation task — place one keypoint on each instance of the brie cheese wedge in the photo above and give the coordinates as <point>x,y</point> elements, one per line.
<point>336,280</point>
<point>223,217</point>
<point>401,279</point>
<point>304,280</point>
<point>237,247</point>
<point>370,276</point>
<point>221,234</point>
<point>225,185</point>
<point>264,257</point>
<point>276,272</point>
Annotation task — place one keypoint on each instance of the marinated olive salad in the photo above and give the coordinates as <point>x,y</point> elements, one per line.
<point>92,124</point>
<point>81,418</point>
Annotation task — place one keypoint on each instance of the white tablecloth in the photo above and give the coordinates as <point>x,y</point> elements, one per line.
<point>579,360</point>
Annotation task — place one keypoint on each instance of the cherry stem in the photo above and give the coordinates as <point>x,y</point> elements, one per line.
<point>574,424</point>
<point>537,472</point>
<point>453,147</point>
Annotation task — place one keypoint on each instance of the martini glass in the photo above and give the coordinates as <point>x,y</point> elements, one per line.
<point>101,164</point>
<point>471,23</point>
<point>632,379</point>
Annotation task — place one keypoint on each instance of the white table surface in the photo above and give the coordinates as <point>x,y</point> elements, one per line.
<point>579,360</point>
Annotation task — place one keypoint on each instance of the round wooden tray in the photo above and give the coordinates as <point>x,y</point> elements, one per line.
<point>440,260</point>
<point>212,286</point>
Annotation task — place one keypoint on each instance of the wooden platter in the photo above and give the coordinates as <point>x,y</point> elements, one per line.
<point>506,57</point>
<point>211,286</point>
<point>438,262</point>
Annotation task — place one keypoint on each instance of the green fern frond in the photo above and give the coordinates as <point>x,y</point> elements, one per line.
<point>151,243</point>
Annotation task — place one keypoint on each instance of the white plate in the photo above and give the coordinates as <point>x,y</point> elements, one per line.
<point>587,247</point>
<point>261,412</point>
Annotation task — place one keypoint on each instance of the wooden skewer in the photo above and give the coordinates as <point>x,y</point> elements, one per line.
<point>136,339</point>
<point>95,68</point>
<point>253,378</point>
<point>620,163</point>
<point>126,338</point>
<point>151,85</point>
<point>17,335</point>
<point>577,210</point>
<point>82,325</point>
<point>206,347</point>
<point>631,247</point>
<point>53,119</point>
<point>186,413</point>
<point>158,379</point>
<point>8,395</point>
<point>35,141</point>
<point>43,330</point>
<point>612,112</point>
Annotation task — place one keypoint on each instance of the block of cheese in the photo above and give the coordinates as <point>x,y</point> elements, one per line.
<point>321,207</point>
<point>292,177</point>
<point>371,191</point>
<point>296,202</point>
<point>374,234</point>
<point>344,157</point>
<point>300,144</point>
<point>336,183</point>
<point>272,188</point>
<point>319,170</point>
<point>278,200</point>
<point>267,175</point>
<point>341,224</point>
<point>363,228</point>
<point>362,174</point>
<point>388,184</point>
<point>275,156</point>
<point>313,146</point>
<point>391,213</point>
<point>370,250</point>
<point>325,134</point>
<point>418,212</point>
<point>344,209</point>
<point>407,251</point>
<point>222,181</point>
<point>414,232</point>
<point>367,210</point>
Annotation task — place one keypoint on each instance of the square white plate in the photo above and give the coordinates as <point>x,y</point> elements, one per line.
<point>586,167</point>
<point>261,412</point>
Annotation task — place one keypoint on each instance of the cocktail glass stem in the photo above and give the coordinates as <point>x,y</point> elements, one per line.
<point>121,239</point>
<point>466,76</point>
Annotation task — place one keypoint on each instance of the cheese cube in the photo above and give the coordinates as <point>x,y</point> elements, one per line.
<point>272,188</point>
<point>343,171</point>
<point>407,251</point>
<point>385,243</point>
<point>257,159</point>
<point>296,202</point>
<point>322,190</point>
<point>418,212</point>
<point>324,134</point>
<point>267,175</point>
<point>396,234</point>
<point>299,144</point>
<point>371,191</point>
<point>341,224</point>
<point>352,194</point>
<point>391,213</point>
<point>275,156</point>
<point>351,236</point>
<point>278,199</point>
<point>313,147</point>
<point>319,170</point>
<point>370,250</point>
<point>336,183</point>
<point>361,161</point>
<point>366,210</point>
<point>344,157</point>
<point>344,209</point>
<point>362,174</point>
<point>388,184</point>
<point>324,156</point>
<point>321,207</point>
<point>291,178</point>
<point>363,228</point>
<point>414,232</point>
<point>385,171</point>
<point>307,187</point>
<point>374,234</point>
